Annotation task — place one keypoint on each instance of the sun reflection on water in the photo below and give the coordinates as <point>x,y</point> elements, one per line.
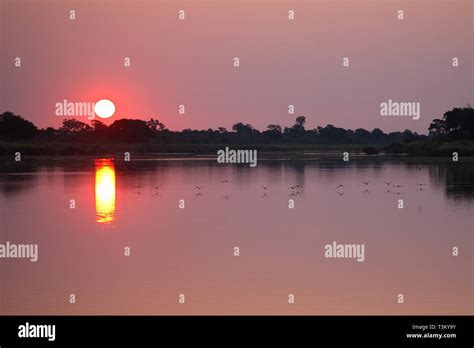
<point>105,191</point>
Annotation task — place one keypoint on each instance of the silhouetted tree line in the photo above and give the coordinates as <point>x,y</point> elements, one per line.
<point>457,124</point>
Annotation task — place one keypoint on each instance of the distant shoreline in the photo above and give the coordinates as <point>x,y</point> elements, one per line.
<point>451,136</point>
<point>64,149</point>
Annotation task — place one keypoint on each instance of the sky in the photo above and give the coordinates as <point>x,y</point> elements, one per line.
<point>283,62</point>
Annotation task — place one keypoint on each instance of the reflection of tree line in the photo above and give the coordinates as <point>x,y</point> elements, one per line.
<point>456,178</point>
<point>14,184</point>
<point>455,126</point>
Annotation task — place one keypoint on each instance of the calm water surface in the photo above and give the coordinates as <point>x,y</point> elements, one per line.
<point>190,251</point>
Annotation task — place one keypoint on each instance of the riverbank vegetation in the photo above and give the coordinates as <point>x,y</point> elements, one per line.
<point>454,132</point>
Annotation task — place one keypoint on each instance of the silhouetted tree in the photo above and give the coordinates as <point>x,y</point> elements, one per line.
<point>14,127</point>
<point>274,128</point>
<point>377,136</point>
<point>74,126</point>
<point>332,135</point>
<point>437,128</point>
<point>299,122</point>
<point>50,132</point>
<point>273,132</point>
<point>362,136</point>
<point>99,126</point>
<point>297,131</point>
<point>135,131</point>
<point>457,124</point>
<point>407,136</point>
<point>155,125</point>
<point>242,128</point>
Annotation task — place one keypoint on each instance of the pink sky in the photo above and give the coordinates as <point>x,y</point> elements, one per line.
<point>283,62</point>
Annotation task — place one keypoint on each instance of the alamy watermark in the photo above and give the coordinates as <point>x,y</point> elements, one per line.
<point>76,109</point>
<point>19,251</point>
<point>237,156</point>
<point>346,251</point>
<point>393,108</point>
<point>28,330</point>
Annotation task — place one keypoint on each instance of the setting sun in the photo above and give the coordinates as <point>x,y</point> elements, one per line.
<point>104,108</point>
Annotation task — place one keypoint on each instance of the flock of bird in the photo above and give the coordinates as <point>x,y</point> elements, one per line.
<point>295,190</point>
<point>395,188</point>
